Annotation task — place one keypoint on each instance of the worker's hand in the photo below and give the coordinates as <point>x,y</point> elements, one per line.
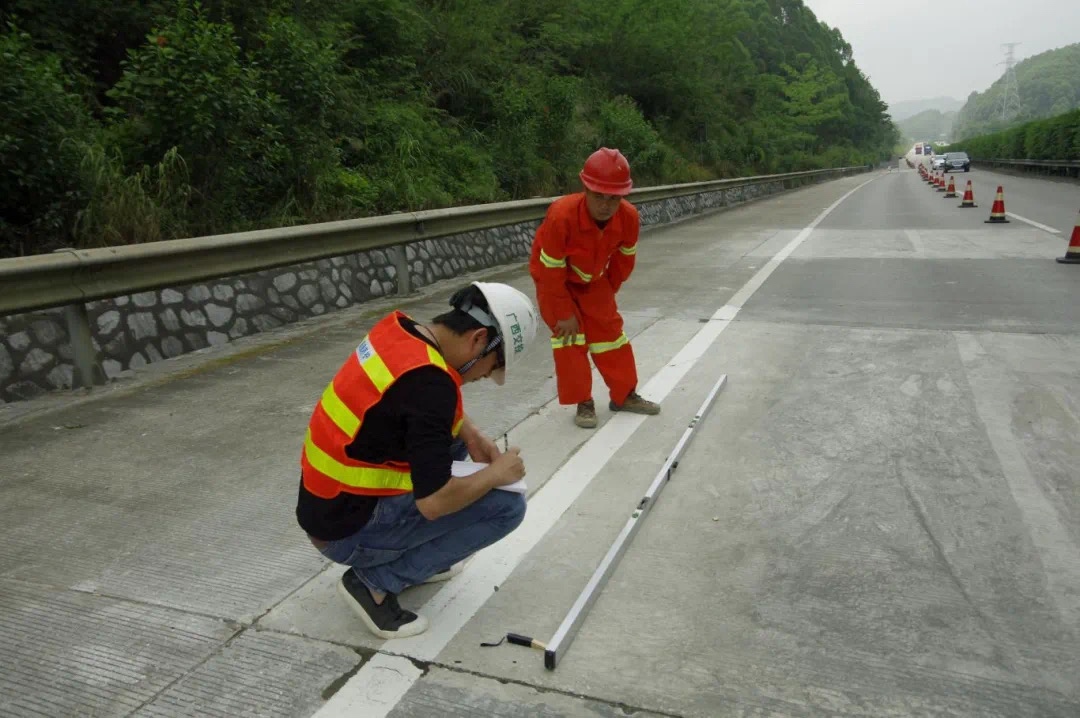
<point>566,328</point>
<point>508,467</point>
<point>483,449</point>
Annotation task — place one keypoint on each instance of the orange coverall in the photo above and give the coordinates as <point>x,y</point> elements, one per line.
<point>577,268</point>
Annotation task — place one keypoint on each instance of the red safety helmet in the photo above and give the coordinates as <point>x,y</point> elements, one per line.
<point>607,172</point>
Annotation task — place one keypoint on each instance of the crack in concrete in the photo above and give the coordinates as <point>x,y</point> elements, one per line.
<point>189,672</point>
<point>425,667</point>
<point>338,683</point>
<point>626,708</point>
<point>943,558</point>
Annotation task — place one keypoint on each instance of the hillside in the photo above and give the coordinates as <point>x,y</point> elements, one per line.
<point>909,108</point>
<point>132,122</point>
<point>1049,85</point>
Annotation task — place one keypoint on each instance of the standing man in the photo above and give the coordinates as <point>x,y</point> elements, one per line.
<point>376,491</point>
<point>583,252</point>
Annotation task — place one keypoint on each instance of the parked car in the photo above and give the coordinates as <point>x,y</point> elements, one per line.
<point>956,161</point>
<point>938,162</point>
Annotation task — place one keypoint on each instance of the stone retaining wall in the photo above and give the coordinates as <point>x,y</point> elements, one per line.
<point>134,330</point>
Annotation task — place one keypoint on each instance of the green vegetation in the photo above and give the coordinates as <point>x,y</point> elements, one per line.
<point>1055,139</point>
<point>130,122</point>
<point>1049,85</point>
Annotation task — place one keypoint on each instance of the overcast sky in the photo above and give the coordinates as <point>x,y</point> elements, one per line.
<point>900,44</point>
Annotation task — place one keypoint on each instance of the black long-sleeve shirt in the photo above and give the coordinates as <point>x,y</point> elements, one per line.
<point>413,422</point>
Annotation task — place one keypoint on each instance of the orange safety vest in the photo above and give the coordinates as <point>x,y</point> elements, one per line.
<point>386,354</point>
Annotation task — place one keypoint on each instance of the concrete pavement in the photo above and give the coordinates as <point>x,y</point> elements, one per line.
<point>880,516</point>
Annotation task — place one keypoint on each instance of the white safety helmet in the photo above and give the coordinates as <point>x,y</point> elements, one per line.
<point>515,320</point>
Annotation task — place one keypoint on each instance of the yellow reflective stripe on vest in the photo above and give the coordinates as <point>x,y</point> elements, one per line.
<point>374,366</point>
<point>457,427</point>
<point>628,251</point>
<point>550,262</point>
<point>360,476</point>
<point>341,415</point>
<point>435,357</point>
<point>585,277</point>
<point>578,340</point>
<point>601,347</point>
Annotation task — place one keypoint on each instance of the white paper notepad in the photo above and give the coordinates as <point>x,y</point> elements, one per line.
<point>467,468</point>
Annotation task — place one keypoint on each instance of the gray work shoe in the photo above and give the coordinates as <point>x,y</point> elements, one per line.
<point>586,415</point>
<point>636,405</point>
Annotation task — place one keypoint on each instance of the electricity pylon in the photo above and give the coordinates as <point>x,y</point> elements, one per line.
<point>1010,98</point>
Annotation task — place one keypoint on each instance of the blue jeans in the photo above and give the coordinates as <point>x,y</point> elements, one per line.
<point>398,547</point>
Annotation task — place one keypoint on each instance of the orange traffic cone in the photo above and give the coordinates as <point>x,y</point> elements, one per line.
<point>969,198</point>
<point>1072,254</point>
<point>951,191</point>
<point>997,211</point>
<point>941,182</point>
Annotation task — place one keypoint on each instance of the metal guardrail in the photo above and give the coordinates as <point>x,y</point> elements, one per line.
<point>1036,163</point>
<point>73,276</point>
<point>1049,164</point>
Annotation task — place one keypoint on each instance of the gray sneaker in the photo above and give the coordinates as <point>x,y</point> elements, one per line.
<point>586,415</point>
<point>634,404</point>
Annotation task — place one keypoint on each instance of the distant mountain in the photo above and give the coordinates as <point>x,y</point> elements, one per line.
<point>932,125</point>
<point>1049,85</point>
<point>910,108</point>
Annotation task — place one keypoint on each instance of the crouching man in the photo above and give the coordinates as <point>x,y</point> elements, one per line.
<point>376,492</point>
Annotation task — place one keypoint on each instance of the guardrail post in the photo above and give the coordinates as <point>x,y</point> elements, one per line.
<point>88,370</point>
<point>401,264</point>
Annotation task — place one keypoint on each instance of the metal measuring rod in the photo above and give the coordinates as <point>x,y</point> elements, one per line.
<point>564,636</point>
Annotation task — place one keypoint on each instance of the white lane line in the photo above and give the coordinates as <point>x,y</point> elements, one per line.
<point>384,680</point>
<point>1033,223</point>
